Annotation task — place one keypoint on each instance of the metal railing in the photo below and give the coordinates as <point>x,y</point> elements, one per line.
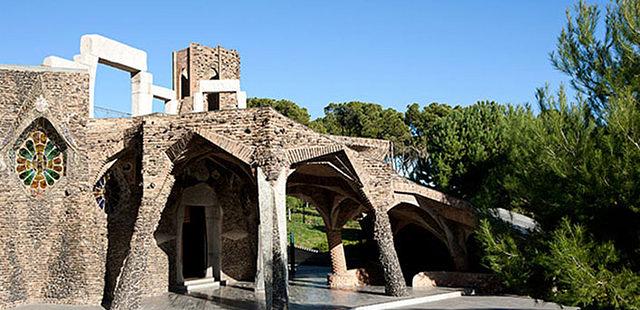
<point>102,112</point>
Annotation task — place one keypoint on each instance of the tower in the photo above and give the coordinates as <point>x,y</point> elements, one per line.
<point>207,79</point>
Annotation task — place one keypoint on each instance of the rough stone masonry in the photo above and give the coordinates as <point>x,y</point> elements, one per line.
<point>111,210</point>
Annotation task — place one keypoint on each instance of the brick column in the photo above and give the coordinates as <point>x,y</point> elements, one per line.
<point>336,250</point>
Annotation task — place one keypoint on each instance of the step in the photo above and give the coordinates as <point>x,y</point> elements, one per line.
<point>198,281</point>
<point>200,284</point>
<point>410,301</point>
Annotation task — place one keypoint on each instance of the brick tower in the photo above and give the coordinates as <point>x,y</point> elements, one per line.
<point>207,78</point>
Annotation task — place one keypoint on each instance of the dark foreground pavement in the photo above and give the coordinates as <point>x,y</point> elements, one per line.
<point>309,291</point>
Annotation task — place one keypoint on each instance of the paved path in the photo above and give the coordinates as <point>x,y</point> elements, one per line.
<point>309,291</point>
<point>489,302</point>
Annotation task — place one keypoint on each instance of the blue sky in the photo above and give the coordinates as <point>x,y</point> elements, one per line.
<point>315,52</point>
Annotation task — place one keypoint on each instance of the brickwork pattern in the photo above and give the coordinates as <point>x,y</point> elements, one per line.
<point>86,256</point>
<point>51,247</point>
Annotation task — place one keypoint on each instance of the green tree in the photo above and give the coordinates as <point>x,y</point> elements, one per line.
<point>601,66</point>
<point>368,120</point>
<point>462,145</point>
<point>420,121</point>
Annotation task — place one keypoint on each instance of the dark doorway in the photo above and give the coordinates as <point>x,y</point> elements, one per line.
<point>194,242</point>
<point>213,102</point>
<point>184,85</point>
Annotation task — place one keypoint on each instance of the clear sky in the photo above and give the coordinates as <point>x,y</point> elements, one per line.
<point>315,52</point>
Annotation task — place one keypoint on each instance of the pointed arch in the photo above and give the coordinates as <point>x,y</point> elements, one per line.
<point>39,155</point>
<point>237,150</point>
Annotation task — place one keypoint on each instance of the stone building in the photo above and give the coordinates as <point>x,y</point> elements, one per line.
<point>111,210</point>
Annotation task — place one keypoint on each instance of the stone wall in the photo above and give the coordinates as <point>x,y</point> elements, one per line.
<point>52,244</point>
<point>214,63</point>
<point>128,250</point>
<point>180,65</point>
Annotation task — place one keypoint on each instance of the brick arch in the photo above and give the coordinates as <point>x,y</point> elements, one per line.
<point>420,216</point>
<point>454,225</point>
<point>298,155</point>
<point>239,151</point>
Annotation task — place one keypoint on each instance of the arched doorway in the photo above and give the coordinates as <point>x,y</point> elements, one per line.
<point>199,220</point>
<point>209,225</point>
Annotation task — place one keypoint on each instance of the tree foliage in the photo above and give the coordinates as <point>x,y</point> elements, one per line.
<point>368,120</point>
<point>601,66</point>
<point>462,145</point>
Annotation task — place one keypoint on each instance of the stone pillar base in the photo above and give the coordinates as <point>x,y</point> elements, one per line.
<point>350,279</point>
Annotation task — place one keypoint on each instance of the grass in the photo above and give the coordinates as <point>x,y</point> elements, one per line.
<point>310,233</point>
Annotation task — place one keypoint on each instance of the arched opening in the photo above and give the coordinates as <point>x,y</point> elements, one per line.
<point>209,226</point>
<point>419,242</point>
<point>328,185</point>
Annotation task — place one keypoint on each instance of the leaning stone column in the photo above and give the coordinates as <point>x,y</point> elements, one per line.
<point>394,284</point>
<point>336,251</point>
<point>273,237</point>
<point>457,248</point>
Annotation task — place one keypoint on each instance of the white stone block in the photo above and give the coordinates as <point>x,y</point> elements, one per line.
<point>171,107</point>
<point>219,86</point>
<point>92,63</point>
<point>163,93</point>
<point>114,53</point>
<point>141,96</point>
<point>198,102</point>
<point>59,62</point>
<point>89,60</point>
<point>142,82</point>
<point>242,99</point>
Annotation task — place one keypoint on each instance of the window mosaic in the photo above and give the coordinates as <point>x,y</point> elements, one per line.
<point>99,192</point>
<point>108,190</point>
<point>39,162</point>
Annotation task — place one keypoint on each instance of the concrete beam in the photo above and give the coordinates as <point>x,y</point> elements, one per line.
<point>219,86</point>
<point>163,93</point>
<point>59,62</point>
<point>114,53</point>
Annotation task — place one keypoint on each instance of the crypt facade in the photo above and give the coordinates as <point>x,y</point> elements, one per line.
<point>111,210</point>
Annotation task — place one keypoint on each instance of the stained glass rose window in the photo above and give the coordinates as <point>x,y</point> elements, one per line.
<point>39,162</point>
